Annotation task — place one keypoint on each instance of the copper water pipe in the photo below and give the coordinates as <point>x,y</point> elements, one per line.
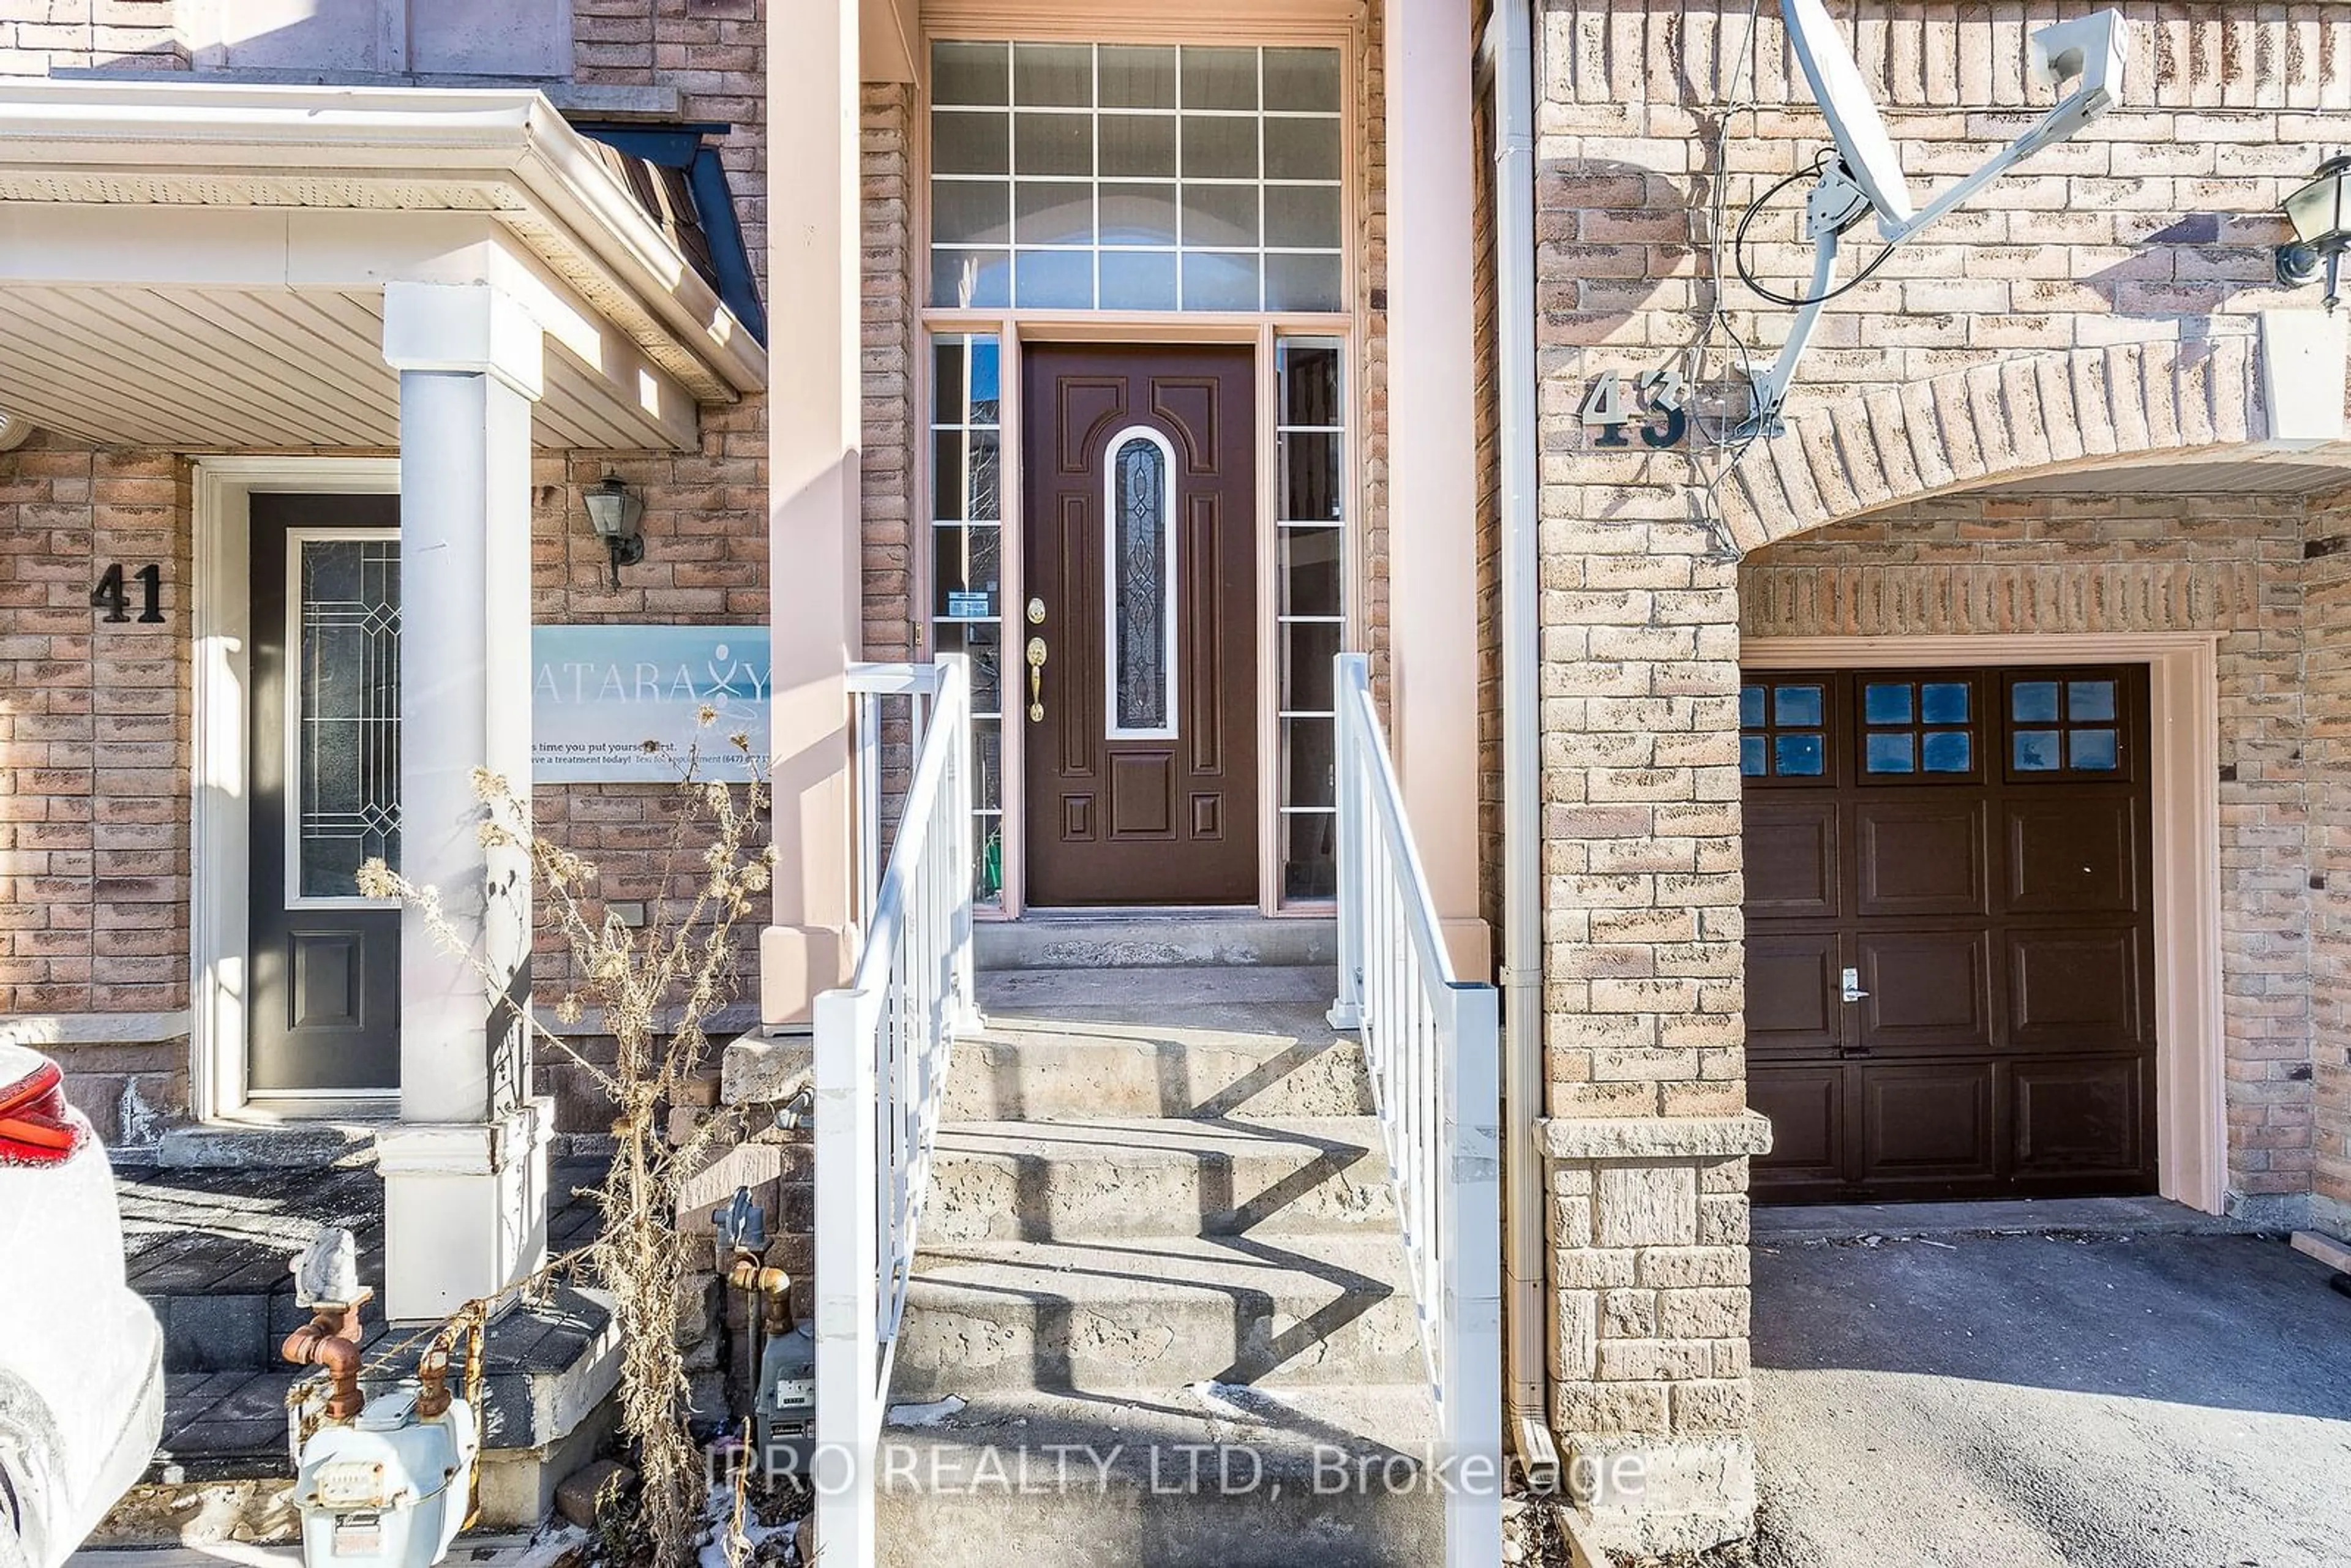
<point>773,1286</point>
<point>332,1340</point>
<point>433,1366</point>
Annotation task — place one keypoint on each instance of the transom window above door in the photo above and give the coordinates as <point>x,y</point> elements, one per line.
<point>1136,177</point>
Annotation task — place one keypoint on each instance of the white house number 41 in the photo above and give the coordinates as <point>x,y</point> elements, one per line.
<point>1655,402</point>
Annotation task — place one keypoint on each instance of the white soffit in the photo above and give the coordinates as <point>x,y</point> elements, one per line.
<point>172,348</point>
<point>2254,473</point>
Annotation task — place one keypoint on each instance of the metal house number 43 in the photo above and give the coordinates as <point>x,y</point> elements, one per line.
<point>1656,403</point>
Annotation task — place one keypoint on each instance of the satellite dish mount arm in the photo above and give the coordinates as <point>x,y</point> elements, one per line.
<point>1836,204</point>
<point>2088,51</point>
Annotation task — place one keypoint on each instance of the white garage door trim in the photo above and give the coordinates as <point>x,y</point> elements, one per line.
<point>2183,700</point>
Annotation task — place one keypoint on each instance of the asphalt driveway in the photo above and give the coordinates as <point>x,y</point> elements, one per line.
<point>2145,1401</point>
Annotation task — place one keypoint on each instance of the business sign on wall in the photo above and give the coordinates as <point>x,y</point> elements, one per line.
<point>600,694</point>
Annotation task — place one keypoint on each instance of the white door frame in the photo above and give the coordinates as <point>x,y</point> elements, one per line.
<point>220,810</point>
<point>2191,1134</point>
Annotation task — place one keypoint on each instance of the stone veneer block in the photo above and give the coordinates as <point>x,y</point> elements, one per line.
<point>1629,1138</point>
<point>1646,1206</point>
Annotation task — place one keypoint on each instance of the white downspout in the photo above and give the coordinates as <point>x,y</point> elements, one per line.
<point>1509,45</point>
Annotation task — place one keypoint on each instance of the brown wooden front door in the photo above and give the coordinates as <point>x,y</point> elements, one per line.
<point>1949,935</point>
<point>1140,572</point>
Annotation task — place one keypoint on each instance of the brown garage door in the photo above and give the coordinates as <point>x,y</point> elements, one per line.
<point>1948,936</point>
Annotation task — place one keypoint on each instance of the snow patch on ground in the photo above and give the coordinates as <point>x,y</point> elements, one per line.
<point>930,1414</point>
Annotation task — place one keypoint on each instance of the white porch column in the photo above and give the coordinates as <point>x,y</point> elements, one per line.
<point>813,494</point>
<point>466,1170</point>
<point>1432,453</point>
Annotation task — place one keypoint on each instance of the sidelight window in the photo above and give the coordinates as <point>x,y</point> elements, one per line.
<point>1139,584</point>
<point>1313,499</point>
<point>1136,177</point>
<point>966,430</point>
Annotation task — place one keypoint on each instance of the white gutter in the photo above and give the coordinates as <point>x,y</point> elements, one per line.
<point>1508,46</point>
<point>504,152</point>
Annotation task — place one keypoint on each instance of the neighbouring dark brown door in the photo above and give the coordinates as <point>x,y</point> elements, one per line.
<point>1141,572</point>
<point>1949,936</point>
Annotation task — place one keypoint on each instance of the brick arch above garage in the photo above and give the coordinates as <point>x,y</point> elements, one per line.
<point>2121,406</point>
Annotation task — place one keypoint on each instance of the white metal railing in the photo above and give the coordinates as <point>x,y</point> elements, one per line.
<point>1432,1044</point>
<point>882,1056</point>
<point>872,688</point>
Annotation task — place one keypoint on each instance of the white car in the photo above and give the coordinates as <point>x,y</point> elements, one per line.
<point>81,1357</point>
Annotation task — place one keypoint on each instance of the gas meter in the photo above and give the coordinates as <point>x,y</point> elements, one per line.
<point>389,1486</point>
<point>787,1402</point>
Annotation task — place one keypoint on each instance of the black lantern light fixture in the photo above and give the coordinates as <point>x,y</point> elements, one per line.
<point>617,512</point>
<point>2321,214</point>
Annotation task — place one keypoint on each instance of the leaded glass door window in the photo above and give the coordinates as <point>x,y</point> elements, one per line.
<point>1139,512</point>
<point>343,710</point>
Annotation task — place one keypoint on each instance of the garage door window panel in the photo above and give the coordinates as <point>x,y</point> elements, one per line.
<point>1784,730</point>
<point>2066,726</point>
<point>1919,729</point>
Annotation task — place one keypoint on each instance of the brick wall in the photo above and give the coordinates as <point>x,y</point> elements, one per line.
<point>94,763</point>
<point>705,563</point>
<point>893,619</point>
<point>37,36</point>
<point>706,521</point>
<point>1485,326</point>
<point>2136,562</point>
<point>713,53</point>
<point>2100,302</point>
<point>2326,718</point>
<point>1371,611</point>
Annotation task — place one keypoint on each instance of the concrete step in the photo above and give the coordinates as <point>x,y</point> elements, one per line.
<point>282,1147</point>
<point>1118,1179</point>
<point>1177,1478</point>
<point>1105,1316</point>
<point>1128,1055</point>
<point>1119,940</point>
<point>1157,992</point>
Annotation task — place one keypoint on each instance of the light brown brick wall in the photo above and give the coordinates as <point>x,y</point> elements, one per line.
<point>1486,325</point>
<point>94,820</point>
<point>94,753</point>
<point>705,564</point>
<point>1371,338</point>
<point>2134,562</point>
<point>2099,301</point>
<point>2163,214</point>
<point>37,36</point>
<point>714,53</point>
<point>893,619</point>
<point>2326,719</point>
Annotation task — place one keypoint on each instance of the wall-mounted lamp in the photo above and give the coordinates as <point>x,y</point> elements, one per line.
<point>616,514</point>
<point>2321,214</point>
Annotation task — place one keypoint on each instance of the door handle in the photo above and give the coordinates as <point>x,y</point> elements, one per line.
<point>1853,991</point>
<point>1036,680</point>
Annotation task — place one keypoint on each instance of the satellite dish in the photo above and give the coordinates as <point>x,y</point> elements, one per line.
<point>1854,121</point>
<point>2087,54</point>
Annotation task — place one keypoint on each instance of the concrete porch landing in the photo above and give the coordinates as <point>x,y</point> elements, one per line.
<point>208,1246</point>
